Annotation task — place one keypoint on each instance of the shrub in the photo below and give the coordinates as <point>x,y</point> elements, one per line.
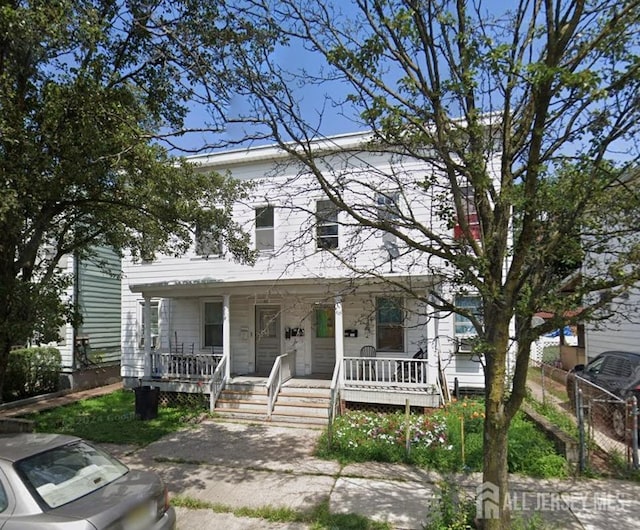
<point>30,372</point>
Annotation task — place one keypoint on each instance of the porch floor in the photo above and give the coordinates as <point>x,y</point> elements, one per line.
<point>307,381</point>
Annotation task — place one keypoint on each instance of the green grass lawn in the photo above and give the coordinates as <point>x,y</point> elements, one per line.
<point>111,419</point>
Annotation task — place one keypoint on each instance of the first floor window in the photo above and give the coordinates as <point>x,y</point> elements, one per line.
<point>389,325</point>
<point>212,324</point>
<point>471,304</point>
<point>325,323</point>
<point>155,309</point>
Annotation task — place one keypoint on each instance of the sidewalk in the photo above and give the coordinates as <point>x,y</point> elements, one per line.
<point>240,465</point>
<point>260,465</point>
<point>51,401</point>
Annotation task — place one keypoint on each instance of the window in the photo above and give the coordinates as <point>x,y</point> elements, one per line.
<point>208,241</point>
<point>264,228</point>
<point>155,310</point>
<point>325,323</point>
<point>327,224</point>
<point>63,474</point>
<point>4,502</point>
<point>389,324</point>
<point>212,324</point>
<point>470,213</point>
<point>472,304</point>
<point>388,207</point>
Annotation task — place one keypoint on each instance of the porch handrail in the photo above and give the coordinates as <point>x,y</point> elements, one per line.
<point>386,372</point>
<point>283,369</point>
<point>217,383</point>
<point>334,399</point>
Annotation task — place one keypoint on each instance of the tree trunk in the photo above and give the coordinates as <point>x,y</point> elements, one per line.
<point>493,510</point>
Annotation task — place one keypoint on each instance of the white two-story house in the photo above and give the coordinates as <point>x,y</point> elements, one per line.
<point>328,300</point>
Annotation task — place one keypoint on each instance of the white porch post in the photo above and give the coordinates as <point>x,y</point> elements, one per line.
<point>226,335</point>
<point>433,321</point>
<point>147,336</point>
<point>339,327</point>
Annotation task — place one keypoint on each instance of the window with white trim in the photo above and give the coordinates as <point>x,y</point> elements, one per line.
<point>208,241</point>
<point>464,330</point>
<point>265,236</point>
<point>389,324</point>
<point>212,317</point>
<point>155,329</point>
<point>470,213</point>
<point>327,224</point>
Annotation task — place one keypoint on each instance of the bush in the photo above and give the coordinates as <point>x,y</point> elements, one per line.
<point>31,372</point>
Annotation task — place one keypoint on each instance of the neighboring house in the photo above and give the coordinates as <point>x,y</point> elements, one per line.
<point>621,332</point>
<point>299,308</point>
<point>91,352</point>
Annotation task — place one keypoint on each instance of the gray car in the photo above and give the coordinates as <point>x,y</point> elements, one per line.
<point>51,481</point>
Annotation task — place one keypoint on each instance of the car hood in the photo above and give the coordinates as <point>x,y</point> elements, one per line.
<point>115,500</point>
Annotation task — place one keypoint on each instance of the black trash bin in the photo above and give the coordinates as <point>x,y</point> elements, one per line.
<point>147,398</point>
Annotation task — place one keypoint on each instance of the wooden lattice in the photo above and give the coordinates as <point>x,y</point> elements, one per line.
<point>184,400</point>
<point>382,408</point>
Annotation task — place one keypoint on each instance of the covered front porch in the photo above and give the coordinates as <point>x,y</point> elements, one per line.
<point>327,341</point>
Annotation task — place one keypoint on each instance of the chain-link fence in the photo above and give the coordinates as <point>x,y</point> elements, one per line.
<point>605,424</point>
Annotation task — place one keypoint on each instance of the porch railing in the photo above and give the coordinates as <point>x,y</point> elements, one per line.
<point>217,383</point>
<point>184,366</point>
<point>385,372</point>
<point>284,368</point>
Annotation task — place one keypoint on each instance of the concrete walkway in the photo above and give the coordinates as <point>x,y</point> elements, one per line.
<point>241,465</point>
<point>238,466</point>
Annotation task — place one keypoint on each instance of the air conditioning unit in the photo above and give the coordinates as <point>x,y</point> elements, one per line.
<point>464,345</point>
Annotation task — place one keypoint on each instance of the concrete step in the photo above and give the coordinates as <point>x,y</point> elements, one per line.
<point>298,419</point>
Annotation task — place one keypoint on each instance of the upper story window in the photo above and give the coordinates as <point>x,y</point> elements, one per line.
<point>388,206</point>
<point>470,213</point>
<point>389,324</point>
<point>265,238</point>
<point>327,224</point>
<point>208,241</point>
<point>212,324</point>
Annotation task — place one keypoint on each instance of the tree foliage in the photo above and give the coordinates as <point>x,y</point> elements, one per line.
<point>528,112</point>
<point>88,90</point>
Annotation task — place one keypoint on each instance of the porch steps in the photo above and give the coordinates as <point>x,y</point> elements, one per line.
<point>295,406</point>
<point>302,405</point>
<point>243,401</point>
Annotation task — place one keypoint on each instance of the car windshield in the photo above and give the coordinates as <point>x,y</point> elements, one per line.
<point>66,473</point>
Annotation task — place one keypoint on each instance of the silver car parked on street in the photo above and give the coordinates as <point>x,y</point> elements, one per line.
<point>51,481</point>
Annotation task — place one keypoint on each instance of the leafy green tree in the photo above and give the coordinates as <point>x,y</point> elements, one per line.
<point>88,91</point>
<point>528,116</point>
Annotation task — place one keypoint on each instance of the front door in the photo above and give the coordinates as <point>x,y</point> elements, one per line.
<point>324,340</point>
<point>267,338</point>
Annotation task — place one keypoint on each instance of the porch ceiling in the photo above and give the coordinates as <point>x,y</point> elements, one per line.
<point>312,286</point>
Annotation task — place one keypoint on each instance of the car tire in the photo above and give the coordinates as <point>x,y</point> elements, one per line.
<point>618,422</point>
